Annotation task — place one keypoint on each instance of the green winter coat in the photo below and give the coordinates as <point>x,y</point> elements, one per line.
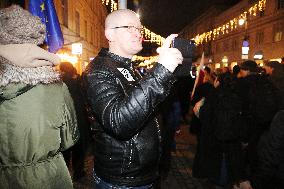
<point>36,124</point>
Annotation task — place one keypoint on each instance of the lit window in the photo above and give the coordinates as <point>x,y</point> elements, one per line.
<point>278,30</point>
<point>278,36</point>
<point>259,38</point>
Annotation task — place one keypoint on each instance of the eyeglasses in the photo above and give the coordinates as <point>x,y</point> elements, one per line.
<point>130,29</point>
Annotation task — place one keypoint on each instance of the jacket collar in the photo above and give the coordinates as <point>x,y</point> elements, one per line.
<point>30,76</point>
<point>115,57</point>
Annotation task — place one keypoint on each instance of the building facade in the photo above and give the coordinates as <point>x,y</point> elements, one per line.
<point>82,24</point>
<point>256,25</point>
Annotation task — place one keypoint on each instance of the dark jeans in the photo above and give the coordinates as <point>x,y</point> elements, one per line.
<point>100,184</point>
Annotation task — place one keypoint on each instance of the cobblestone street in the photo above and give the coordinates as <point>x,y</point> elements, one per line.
<point>179,177</point>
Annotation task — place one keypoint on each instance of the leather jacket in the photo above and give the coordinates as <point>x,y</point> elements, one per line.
<point>126,133</point>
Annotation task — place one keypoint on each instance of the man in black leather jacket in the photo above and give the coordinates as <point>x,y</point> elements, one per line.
<point>127,134</point>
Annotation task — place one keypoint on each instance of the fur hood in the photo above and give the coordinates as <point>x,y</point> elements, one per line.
<point>31,76</point>
<point>27,64</point>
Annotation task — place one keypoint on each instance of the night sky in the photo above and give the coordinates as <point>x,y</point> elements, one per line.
<point>170,16</point>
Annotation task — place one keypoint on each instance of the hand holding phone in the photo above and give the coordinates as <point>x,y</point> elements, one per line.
<point>186,47</point>
<point>169,57</point>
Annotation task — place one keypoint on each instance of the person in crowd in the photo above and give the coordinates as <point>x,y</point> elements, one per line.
<point>38,119</point>
<point>207,70</point>
<point>77,152</point>
<point>260,103</point>
<point>275,71</point>
<point>226,69</point>
<point>184,88</point>
<point>270,168</point>
<point>127,134</point>
<point>220,137</point>
<point>236,71</point>
<point>201,92</point>
<point>218,71</point>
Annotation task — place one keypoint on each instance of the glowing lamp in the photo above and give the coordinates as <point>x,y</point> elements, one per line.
<point>241,21</point>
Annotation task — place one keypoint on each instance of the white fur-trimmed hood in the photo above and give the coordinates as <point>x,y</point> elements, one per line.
<point>27,64</point>
<point>32,76</point>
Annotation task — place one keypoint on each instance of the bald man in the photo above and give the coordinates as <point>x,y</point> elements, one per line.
<point>126,133</point>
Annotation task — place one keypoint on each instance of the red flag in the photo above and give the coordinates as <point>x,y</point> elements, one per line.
<point>200,75</point>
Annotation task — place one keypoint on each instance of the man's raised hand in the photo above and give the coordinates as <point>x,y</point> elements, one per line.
<point>169,57</point>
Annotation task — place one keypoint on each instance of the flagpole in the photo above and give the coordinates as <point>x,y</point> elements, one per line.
<point>198,74</point>
<point>122,4</point>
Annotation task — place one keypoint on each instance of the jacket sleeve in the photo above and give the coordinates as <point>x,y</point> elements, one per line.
<point>123,113</point>
<point>69,132</point>
<point>270,153</point>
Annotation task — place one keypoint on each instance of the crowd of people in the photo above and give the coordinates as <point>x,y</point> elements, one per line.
<point>236,116</point>
<point>48,118</point>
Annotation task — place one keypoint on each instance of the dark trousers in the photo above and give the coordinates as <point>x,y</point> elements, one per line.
<point>76,156</point>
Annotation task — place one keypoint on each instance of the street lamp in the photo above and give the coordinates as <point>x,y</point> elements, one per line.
<point>122,4</point>
<point>244,21</point>
<point>245,43</point>
<point>241,21</point>
<point>245,49</point>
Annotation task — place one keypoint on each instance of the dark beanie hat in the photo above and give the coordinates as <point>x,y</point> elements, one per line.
<point>249,65</point>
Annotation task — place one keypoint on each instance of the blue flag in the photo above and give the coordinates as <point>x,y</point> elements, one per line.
<point>46,11</point>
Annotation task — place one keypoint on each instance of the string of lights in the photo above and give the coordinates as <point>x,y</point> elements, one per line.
<point>112,3</point>
<point>213,34</point>
<point>230,25</point>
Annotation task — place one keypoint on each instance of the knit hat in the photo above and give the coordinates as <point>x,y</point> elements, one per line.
<point>18,26</point>
<point>20,33</point>
<point>249,65</point>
